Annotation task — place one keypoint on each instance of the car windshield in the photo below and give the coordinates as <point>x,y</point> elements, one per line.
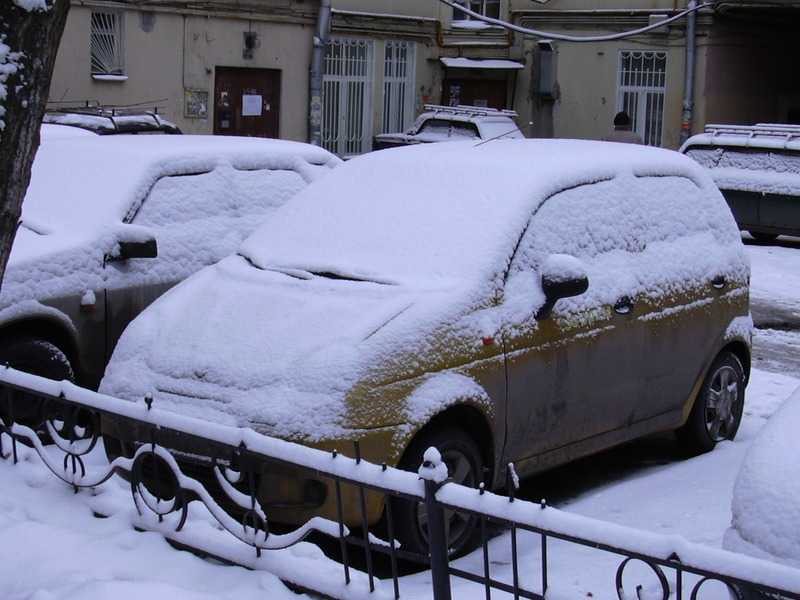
<point>411,217</point>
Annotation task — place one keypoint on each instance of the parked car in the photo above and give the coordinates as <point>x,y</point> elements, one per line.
<point>111,121</point>
<point>110,223</point>
<point>449,295</point>
<point>453,124</point>
<point>766,514</point>
<point>758,171</point>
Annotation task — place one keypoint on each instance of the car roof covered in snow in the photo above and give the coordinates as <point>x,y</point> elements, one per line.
<point>77,184</point>
<point>764,136</point>
<point>49,132</point>
<point>441,210</point>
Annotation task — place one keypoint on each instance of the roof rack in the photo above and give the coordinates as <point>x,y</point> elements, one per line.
<point>101,119</point>
<point>762,130</point>
<point>472,111</point>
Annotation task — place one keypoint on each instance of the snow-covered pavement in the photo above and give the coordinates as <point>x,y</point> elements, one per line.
<point>53,548</point>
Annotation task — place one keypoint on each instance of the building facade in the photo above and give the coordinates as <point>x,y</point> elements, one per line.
<point>242,66</point>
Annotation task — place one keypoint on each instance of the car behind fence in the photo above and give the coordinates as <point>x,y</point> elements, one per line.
<point>61,423</point>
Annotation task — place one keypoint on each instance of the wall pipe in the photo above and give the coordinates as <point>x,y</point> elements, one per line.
<point>315,74</point>
<point>691,67</point>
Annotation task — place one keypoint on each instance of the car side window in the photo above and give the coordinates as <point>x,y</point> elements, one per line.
<point>223,192</point>
<point>450,129</point>
<point>629,232</point>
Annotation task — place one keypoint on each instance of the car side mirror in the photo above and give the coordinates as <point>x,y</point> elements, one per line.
<point>563,276</point>
<point>140,249</point>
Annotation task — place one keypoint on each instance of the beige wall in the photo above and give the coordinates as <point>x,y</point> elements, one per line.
<point>183,50</point>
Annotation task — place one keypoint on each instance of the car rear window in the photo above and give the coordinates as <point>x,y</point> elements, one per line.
<point>450,129</point>
<point>752,159</point>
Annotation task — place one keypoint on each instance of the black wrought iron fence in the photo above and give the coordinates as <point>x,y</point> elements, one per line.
<point>228,479</point>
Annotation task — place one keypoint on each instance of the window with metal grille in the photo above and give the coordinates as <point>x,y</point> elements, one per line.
<point>641,92</point>
<point>347,96</point>
<point>107,44</point>
<point>399,79</point>
<point>488,8</point>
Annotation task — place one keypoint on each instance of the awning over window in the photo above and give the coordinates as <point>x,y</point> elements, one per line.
<point>473,63</point>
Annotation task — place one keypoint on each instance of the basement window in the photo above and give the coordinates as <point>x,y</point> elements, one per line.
<point>107,45</point>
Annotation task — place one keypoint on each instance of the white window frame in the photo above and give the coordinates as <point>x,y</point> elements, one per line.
<point>478,6</point>
<point>107,43</point>
<point>399,85</point>
<point>347,91</point>
<point>642,92</point>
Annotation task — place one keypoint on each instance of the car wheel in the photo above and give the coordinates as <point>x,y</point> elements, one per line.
<point>717,412</point>
<point>38,357</point>
<point>764,237</point>
<point>465,466</point>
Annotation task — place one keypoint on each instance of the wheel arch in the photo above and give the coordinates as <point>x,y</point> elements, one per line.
<point>471,418</point>
<point>742,351</point>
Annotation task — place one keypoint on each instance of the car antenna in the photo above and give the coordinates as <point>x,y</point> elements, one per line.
<point>497,137</point>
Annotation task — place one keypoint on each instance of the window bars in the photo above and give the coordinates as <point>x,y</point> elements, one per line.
<point>347,96</point>
<point>399,80</point>
<point>642,84</point>
<point>488,8</point>
<point>107,45</point>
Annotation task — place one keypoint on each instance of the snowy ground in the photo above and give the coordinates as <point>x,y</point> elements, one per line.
<point>53,548</point>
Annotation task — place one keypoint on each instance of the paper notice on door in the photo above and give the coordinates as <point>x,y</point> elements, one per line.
<point>251,105</point>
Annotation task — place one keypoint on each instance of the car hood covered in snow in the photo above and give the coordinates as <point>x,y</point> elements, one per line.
<point>766,512</point>
<point>251,347</point>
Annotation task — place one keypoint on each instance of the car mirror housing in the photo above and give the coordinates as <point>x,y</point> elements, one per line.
<point>563,276</point>
<point>139,249</point>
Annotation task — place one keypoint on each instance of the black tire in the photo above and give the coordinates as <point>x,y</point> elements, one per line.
<point>717,411</point>
<point>764,238</point>
<point>459,451</point>
<point>38,357</point>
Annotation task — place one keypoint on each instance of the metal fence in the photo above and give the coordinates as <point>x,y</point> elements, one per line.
<point>57,417</point>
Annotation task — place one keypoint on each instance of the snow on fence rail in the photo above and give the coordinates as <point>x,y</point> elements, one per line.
<point>68,418</point>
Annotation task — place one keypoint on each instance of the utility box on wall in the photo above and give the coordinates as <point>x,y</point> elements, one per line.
<point>545,70</point>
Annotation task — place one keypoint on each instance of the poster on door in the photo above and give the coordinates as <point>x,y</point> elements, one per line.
<point>251,105</point>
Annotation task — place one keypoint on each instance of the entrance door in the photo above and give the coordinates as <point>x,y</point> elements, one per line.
<point>247,102</point>
<point>486,93</point>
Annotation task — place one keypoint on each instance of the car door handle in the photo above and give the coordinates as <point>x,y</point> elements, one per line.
<point>719,282</point>
<point>624,306</point>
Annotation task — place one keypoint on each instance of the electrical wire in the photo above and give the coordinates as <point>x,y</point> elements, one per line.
<point>572,38</point>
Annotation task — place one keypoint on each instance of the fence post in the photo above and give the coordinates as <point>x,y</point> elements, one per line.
<point>437,534</point>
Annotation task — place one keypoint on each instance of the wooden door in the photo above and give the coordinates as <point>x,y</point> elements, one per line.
<point>247,102</point>
<point>486,93</point>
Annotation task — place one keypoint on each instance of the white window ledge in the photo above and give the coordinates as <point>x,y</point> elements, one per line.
<point>101,77</point>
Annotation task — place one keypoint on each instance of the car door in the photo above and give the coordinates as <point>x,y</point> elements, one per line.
<point>574,376</point>
<point>685,296</point>
<point>197,219</point>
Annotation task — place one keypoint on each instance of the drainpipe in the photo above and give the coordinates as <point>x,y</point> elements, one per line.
<point>691,66</point>
<point>315,76</point>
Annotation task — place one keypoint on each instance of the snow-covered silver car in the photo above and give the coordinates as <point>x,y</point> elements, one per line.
<point>454,124</point>
<point>451,295</point>
<point>757,168</point>
<point>110,223</point>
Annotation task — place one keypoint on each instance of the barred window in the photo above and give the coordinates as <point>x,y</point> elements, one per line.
<point>399,79</point>
<point>642,84</point>
<point>347,96</point>
<point>107,44</point>
<point>488,8</point>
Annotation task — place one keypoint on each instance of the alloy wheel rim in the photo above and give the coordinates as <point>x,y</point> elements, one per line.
<point>722,404</point>
<point>457,524</point>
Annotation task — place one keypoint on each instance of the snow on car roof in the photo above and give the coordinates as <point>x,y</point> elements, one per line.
<point>440,211</point>
<point>84,182</point>
<point>50,132</point>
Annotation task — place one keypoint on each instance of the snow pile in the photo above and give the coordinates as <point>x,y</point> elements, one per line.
<point>433,467</point>
<point>766,514</point>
